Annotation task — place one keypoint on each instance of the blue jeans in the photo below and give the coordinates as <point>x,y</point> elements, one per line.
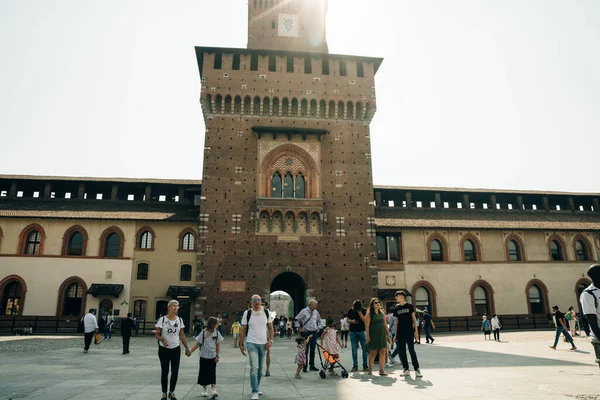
<point>256,353</point>
<point>355,339</point>
<point>559,330</point>
<point>428,336</point>
<point>108,332</point>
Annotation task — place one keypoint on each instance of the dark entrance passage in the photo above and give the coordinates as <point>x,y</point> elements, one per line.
<point>292,284</point>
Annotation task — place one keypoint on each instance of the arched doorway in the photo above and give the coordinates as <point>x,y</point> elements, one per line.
<point>292,284</point>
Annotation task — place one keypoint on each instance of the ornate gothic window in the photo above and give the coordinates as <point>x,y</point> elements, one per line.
<point>75,245</point>
<point>276,185</point>
<point>32,247</point>
<point>436,251</point>
<point>73,300</point>
<point>300,191</point>
<point>556,251</point>
<point>12,298</point>
<point>288,186</point>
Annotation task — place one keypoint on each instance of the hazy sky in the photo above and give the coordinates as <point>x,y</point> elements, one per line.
<point>495,94</point>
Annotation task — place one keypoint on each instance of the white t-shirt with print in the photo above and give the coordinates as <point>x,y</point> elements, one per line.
<point>208,343</point>
<point>344,326</point>
<point>257,328</point>
<point>170,331</point>
<point>588,306</point>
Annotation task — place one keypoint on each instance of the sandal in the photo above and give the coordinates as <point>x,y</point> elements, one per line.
<point>382,373</point>
<point>298,377</point>
<point>370,372</point>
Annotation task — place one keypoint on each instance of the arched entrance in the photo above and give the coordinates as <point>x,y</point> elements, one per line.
<point>292,284</point>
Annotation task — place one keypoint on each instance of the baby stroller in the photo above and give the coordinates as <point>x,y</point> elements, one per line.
<point>329,361</point>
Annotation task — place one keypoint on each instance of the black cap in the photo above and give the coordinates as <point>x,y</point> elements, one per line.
<point>555,307</point>
<point>400,293</point>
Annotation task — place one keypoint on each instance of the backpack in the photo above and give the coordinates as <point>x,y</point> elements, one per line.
<point>81,326</point>
<point>249,314</point>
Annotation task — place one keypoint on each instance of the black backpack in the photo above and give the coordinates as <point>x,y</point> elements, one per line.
<point>81,326</point>
<point>249,314</point>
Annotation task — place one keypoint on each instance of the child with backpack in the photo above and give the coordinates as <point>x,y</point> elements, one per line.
<point>209,341</point>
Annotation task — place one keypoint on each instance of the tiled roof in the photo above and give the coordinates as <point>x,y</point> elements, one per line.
<point>98,179</point>
<point>471,219</point>
<point>479,190</point>
<point>64,209</point>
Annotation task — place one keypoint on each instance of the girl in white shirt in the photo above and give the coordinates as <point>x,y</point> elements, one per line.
<point>209,341</point>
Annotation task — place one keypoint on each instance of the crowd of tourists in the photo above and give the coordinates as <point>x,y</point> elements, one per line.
<point>381,337</point>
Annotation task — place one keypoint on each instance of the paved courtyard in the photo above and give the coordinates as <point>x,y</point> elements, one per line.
<point>459,366</point>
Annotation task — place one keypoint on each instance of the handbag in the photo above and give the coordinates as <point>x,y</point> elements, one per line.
<point>98,339</point>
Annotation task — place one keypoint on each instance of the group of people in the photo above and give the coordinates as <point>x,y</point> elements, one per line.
<point>91,328</point>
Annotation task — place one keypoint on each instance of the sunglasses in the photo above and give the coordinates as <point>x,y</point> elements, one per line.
<point>256,301</point>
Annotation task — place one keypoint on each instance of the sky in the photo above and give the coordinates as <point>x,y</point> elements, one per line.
<point>471,93</point>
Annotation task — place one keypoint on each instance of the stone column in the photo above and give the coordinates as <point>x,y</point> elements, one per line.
<point>438,200</point>
<point>148,194</point>
<point>596,204</point>
<point>493,201</point>
<point>378,199</point>
<point>466,203</point>
<point>408,198</point>
<point>12,192</point>
<point>81,191</point>
<point>520,203</point>
<point>546,203</point>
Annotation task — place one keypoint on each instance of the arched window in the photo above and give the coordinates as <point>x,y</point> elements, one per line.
<point>581,251</point>
<point>247,105</point>
<point>188,242</point>
<point>288,186</point>
<point>359,109</point>
<point>556,251</point>
<point>350,108</point>
<point>285,107</point>
<point>276,185</point>
<point>33,244</point>
<point>514,251</point>
<point>469,250</point>
<point>139,309</point>
<point>266,106</point>
<point>331,109</point>
<point>300,191</point>
<point>256,110</point>
<point>228,104</point>
<point>142,272</point>
<point>73,300</point>
<point>313,108</point>
<point>294,107</point>
<point>146,240</point>
<point>275,106</point>
<point>113,245</point>
<point>322,107</point>
<point>208,103</point>
<point>12,298</point>
<point>185,273</point>
<point>436,250</point>
<point>237,105</point>
<point>536,301</point>
<point>219,104</point>
<point>422,299</point>
<point>75,244</point>
<point>481,301</point>
<point>303,108</point>
<point>341,114</point>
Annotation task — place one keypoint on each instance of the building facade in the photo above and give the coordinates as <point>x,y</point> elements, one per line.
<point>286,203</point>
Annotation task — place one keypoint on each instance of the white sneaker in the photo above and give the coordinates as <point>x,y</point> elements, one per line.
<point>254,396</point>
<point>214,394</point>
<point>204,392</point>
<point>389,364</point>
<point>259,391</point>
<point>406,373</point>
<point>418,373</point>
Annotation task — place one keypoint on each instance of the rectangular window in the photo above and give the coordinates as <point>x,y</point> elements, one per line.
<point>307,65</point>
<point>290,64</point>
<point>142,272</point>
<point>342,68</point>
<point>235,65</point>
<point>273,24</point>
<point>388,247</point>
<point>218,60</point>
<point>186,273</point>
<point>325,63</point>
<point>254,62</point>
<point>272,63</point>
<point>360,69</point>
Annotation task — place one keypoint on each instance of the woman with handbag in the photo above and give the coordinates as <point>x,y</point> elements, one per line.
<point>169,333</point>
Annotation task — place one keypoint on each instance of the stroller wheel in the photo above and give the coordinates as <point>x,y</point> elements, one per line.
<point>344,374</point>
<point>322,375</point>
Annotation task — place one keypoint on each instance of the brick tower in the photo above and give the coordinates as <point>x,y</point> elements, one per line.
<point>287,192</point>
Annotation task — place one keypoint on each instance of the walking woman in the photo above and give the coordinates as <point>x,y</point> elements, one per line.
<point>169,333</point>
<point>377,335</point>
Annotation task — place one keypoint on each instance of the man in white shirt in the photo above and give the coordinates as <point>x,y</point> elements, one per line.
<point>256,335</point>
<point>90,326</point>
<point>590,306</point>
<point>311,325</point>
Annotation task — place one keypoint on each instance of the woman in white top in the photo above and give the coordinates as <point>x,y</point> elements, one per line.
<point>169,333</point>
<point>496,327</point>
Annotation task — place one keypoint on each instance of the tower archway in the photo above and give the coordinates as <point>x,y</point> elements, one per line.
<point>292,284</point>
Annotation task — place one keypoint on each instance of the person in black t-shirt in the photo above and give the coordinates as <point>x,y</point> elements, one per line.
<point>356,321</point>
<point>406,333</point>
<point>561,328</point>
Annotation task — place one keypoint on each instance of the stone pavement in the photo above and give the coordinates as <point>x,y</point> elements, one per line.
<point>459,366</point>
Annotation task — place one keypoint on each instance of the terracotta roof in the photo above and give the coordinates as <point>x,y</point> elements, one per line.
<point>98,179</point>
<point>479,190</point>
<point>471,219</point>
<point>63,209</point>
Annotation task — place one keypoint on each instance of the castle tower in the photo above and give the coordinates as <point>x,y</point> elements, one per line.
<point>287,190</point>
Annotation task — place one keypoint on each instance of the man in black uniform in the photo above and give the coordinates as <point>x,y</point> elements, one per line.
<point>126,330</point>
<point>406,332</point>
